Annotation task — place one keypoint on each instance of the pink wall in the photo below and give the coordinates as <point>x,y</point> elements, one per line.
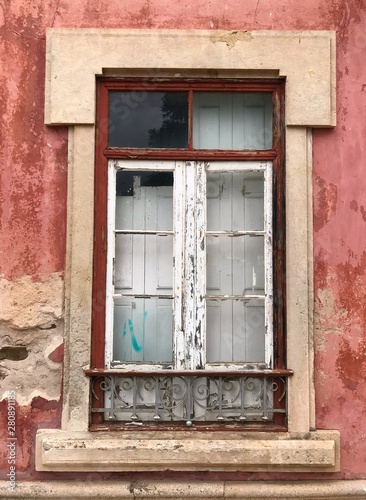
<point>33,166</point>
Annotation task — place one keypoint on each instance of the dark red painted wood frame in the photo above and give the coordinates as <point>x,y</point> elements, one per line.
<point>103,153</point>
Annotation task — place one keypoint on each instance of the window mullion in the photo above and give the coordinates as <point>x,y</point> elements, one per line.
<point>190,267</point>
<point>268,265</point>
<point>111,211</point>
<point>179,197</point>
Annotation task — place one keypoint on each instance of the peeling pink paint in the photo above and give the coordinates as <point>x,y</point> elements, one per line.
<point>57,355</point>
<point>33,168</point>
<point>325,201</point>
<point>339,249</point>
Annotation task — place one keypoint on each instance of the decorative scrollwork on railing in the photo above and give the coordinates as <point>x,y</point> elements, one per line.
<point>189,399</point>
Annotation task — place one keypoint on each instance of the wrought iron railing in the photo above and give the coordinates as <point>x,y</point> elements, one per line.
<point>189,397</point>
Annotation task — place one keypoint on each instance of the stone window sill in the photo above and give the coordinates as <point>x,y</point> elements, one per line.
<point>60,451</point>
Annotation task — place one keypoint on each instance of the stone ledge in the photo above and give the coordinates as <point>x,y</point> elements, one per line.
<point>169,490</point>
<point>76,56</point>
<point>186,451</point>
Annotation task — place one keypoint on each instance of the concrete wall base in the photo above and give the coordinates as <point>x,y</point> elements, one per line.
<point>93,490</point>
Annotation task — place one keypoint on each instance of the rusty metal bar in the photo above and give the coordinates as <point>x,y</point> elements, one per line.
<point>96,372</point>
<point>190,399</point>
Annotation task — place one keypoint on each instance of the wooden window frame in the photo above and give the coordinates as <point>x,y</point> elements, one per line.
<point>103,153</point>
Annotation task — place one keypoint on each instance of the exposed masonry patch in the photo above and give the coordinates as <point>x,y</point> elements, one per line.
<point>28,304</point>
<point>232,37</point>
<point>25,366</point>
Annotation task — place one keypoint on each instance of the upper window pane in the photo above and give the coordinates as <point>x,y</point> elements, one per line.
<point>139,119</point>
<point>235,201</point>
<point>232,120</point>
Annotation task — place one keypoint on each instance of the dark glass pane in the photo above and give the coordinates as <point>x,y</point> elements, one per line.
<point>126,180</point>
<point>148,119</point>
<point>144,200</point>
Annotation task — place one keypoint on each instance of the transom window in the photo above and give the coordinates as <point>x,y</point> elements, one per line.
<point>219,120</point>
<point>189,252</point>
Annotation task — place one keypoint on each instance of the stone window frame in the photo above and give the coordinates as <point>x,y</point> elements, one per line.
<point>75,57</point>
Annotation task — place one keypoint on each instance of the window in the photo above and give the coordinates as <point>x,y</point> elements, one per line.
<point>192,280</point>
<point>75,57</point>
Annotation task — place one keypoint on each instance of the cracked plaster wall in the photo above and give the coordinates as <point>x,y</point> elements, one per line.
<point>31,319</point>
<point>31,353</point>
<point>33,168</point>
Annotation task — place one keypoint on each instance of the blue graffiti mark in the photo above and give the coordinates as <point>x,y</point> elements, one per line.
<point>133,337</point>
<point>131,329</point>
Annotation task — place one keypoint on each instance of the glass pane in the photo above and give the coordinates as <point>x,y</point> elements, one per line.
<point>148,119</point>
<point>235,265</point>
<point>143,264</point>
<point>235,201</point>
<point>144,200</point>
<point>235,331</point>
<point>232,120</point>
<point>143,330</point>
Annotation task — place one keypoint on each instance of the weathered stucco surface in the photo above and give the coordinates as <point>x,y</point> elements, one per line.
<point>33,169</point>
<point>26,303</point>
<point>31,337</point>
